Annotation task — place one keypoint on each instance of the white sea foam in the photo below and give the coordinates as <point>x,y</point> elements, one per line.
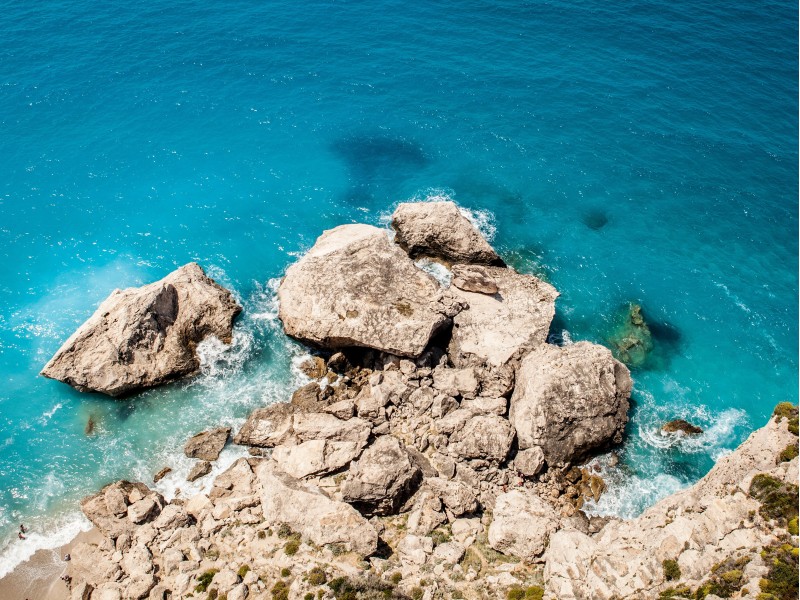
<point>436,270</point>
<point>627,495</point>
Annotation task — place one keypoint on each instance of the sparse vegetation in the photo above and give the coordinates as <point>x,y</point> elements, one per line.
<point>243,570</point>
<point>533,592</point>
<point>778,499</point>
<point>291,547</point>
<point>396,577</point>
<point>285,572</point>
<point>204,580</point>
<point>284,531</point>
<point>672,572</point>
<point>782,579</point>
<point>316,576</point>
<point>471,560</point>
<point>364,588</point>
<point>261,535</point>
<point>788,453</point>
<point>725,580</point>
<point>787,410</point>
<point>280,591</point>
<point>440,536</point>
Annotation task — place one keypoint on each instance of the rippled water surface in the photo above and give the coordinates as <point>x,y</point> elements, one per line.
<point>627,152</point>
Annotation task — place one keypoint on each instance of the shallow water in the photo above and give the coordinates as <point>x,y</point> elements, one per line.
<point>641,152</point>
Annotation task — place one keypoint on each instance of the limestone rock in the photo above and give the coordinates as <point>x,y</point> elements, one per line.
<point>570,401</point>
<point>456,496</point>
<point>682,427</point>
<point>143,337</point>
<point>529,461</point>
<point>356,288</point>
<point>382,478</point>
<point>439,230</point>
<point>316,457</point>
<point>309,512</point>
<point>486,437</point>
<point>200,469</point>
<point>110,508</point>
<point>267,427</point>
<point>522,525</point>
<point>501,326</point>
<point>208,444</point>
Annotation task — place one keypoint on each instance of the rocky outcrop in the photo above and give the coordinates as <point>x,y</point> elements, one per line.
<point>143,337</point>
<point>570,401</point>
<point>118,507</point>
<point>502,324</point>
<point>356,288</point>
<point>522,525</point>
<point>439,230</point>
<point>306,510</point>
<point>207,445</point>
<point>680,426</point>
<point>715,520</point>
<point>383,478</point>
<point>631,341</point>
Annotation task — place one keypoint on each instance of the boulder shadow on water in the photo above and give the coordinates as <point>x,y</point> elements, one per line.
<point>595,219</point>
<point>373,161</point>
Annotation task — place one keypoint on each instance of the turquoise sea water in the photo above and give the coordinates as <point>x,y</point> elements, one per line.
<point>630,151</point>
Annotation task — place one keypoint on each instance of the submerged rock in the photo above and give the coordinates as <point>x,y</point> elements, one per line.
<point>356,288</point>
<point>570,401</point>
<point>502,325</point>
<point>439,230</point>
<point>681,426</point>
<point>143,337</point>
<point>632,340</point>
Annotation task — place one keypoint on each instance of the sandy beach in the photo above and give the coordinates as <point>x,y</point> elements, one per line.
<point>39,577</point>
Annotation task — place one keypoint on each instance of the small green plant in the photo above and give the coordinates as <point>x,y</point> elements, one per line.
<point>243,570</point>
<point>672,572</point>
<point>284,531</point>
<point>679,592</point>
<point>337,549</point>
<point>515,593</point>
<point>280,591</point>
<point>792,526</point>
<point>456,595</point>
<point>308,596</point>
<point>471,560</point>
<point>533,592</point>
<point>212,595</point>
<point>316,576</point>
<point>440,536</point>
<point>204,580</point>
<point>291,547</point>
<point>285,572</point>
<point>396,577</point>
<point>788,453</point>
<point>261,535</point>
<point>417,593</point>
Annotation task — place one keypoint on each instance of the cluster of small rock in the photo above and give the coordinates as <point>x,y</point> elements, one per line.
<point>435,453</point>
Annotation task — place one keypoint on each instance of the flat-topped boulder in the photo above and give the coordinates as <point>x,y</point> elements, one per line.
<point>570,401</point>
<point>207,445</point>
<point>356,288</point>
<point>508,314</point>
<point>143,337</point>
<point>439,230</point>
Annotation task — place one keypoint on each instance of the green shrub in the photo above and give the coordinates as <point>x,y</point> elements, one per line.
<point>285,572</point>
<point>291,547</point>
<point>396,577</point>
<point>471,560</point>
<point>440,536</point>
<point>534,592</point>
<point>280,591</point>
<point>792,526</point>
<point>261,534</point>
<point>456,595</point>
<point>417,593</point>
<point>515,593</point>
<point>788,453</point>
<point>672,572</point>
<point>316,576</point>
<point>308,596</point>
<point>725,580</point>
<point>212,595</point>
<point>778,499</point>
<point>284,531</point>
<point>679,592</point>
<point>362,588</point>
<point>787,410</point>
<point>243,570</point>
<point>781,581</point>
<point>204,580</point>
<point>337,549</point>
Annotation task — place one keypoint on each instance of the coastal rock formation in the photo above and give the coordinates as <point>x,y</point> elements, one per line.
<point>356,288</point>
<point>716,520</point>
<point>631,340</point>
<point>500,325</point>
<point>207,445</point>
<point>118,507</point>
<point>682,427</point>
<point>439,230</point>
<point>143,337</point>
<point>306,510</point>
<point>570,401</point>
<point>383,478</point>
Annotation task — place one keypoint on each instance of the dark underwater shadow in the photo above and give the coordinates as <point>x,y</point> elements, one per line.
<point>377,164</point>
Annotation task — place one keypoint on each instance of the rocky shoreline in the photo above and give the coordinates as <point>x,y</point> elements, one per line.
<point>437,452</point>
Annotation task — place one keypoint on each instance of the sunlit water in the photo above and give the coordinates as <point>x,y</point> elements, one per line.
<point>625,152</point>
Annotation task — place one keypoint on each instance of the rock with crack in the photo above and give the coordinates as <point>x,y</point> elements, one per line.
<point>439,230</point>
<point>316,457</point>
<point>143,337</point>
<point>487,437</point>
<point>309,512</point>
<point>383,478</point>
<point>522,525</point>
<point>207,445</point>
<point>570,401</point>
<point>356,288</point>
<point>504,324</point>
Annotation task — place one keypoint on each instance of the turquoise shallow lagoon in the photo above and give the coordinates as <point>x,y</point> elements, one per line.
<point>633,151</point>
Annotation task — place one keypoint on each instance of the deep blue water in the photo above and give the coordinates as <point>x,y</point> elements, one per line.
<point>630,151</point>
